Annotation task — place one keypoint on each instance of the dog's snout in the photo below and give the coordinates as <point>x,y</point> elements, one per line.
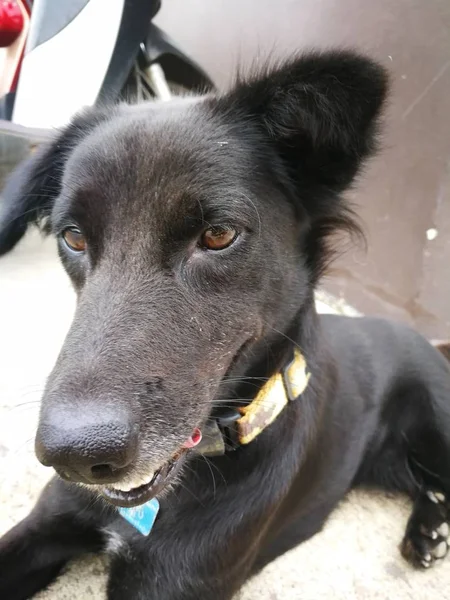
<point>89,448</point>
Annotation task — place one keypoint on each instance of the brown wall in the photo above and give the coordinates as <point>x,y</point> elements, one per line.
<point>406,190</point>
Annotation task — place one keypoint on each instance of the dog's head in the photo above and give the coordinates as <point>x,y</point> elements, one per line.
<point>193,232</point>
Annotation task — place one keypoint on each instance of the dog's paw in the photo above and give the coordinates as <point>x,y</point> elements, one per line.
<point>427,535</point>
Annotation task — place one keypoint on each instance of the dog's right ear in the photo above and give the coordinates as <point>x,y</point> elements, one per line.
<point>319,112</point>
<point>31,190</point>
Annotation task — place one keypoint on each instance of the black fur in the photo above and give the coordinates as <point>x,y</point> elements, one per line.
<point>166,331</point>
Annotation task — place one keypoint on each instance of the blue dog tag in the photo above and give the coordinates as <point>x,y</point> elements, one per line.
<point>142,517</point>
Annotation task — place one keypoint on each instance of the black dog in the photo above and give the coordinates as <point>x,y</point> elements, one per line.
<point>194,233</point>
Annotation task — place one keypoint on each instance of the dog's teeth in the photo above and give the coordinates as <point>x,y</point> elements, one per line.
<point>126,487</point>
<point>434,535</point>
<point>440,496</point>
<point>123,487</point>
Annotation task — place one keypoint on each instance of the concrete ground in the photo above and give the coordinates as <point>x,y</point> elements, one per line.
<point>355,557</point>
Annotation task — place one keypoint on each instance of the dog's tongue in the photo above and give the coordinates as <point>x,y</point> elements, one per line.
<point>194,440</point>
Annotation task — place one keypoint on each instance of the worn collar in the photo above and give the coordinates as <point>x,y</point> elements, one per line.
<point>240,427</point>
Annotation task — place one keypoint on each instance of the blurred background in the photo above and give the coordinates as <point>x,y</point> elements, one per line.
<point>404,197</point>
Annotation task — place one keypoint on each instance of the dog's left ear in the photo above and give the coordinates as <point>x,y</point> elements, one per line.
<point>32,188</point>
<point>321,112</point>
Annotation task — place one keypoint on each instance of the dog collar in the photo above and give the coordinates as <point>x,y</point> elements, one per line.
<point>240,427</point>
<point>237,428</point>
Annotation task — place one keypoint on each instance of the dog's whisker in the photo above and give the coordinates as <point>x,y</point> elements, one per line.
<point>214,466</point>
<point>22,447</point>
<point>184,486</point>
<point>296,344</point>
<point>243,378</point>
<point>27,404</point>
<point>188,468</point>
<point>250,201</point>
<point>212,475</point>
<point>31,391</point>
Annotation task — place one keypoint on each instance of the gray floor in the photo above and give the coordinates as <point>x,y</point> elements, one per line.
<point>355,557</point>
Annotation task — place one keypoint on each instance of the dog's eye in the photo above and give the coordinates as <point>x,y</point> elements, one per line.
<point>218,238</point>
<point>74,239</point>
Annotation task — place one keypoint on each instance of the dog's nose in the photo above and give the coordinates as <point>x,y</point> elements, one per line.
<point>89,448</point>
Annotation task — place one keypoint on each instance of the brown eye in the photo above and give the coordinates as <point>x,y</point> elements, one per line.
<point>74,239</point>
<point>218,238</point>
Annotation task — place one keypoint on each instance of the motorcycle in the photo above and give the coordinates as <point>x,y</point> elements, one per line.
<point>63,55</point>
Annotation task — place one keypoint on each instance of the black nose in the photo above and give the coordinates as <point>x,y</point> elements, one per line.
<point>87,446</point>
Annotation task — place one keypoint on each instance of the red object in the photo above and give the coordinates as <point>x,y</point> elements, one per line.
<point>194,440</point>
<point>11,22</point>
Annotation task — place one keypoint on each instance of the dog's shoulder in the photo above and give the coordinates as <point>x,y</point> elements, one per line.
<point>375,344</point>
<point>366,326</point>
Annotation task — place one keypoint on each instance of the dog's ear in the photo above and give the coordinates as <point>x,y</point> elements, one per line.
<point>32,188</point>
<point>321,111</point>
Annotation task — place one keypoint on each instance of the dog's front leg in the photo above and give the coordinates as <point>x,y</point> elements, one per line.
<point>64,524</point>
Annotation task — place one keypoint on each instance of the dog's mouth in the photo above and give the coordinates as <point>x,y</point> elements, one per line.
<point>146,491</point>
<point>129,495</point>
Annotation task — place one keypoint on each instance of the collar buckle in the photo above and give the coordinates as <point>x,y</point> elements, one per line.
<point>220,434</point>
<point>234,428</point>
<point>287,380</point>
<point>227,426</point>
<point>295,376</point>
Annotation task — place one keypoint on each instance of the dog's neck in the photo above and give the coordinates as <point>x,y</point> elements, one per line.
<point>271,354</point>
<point>274,376</point>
